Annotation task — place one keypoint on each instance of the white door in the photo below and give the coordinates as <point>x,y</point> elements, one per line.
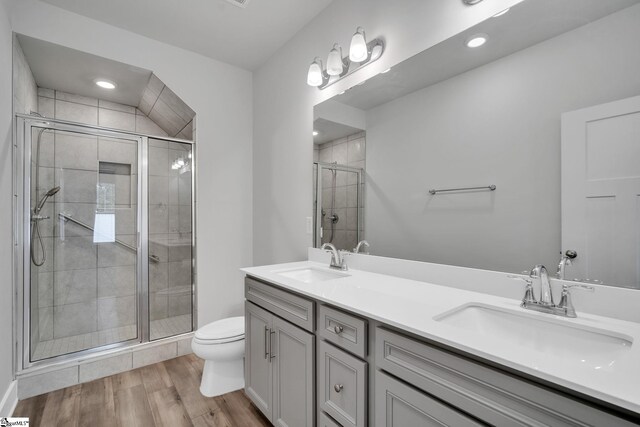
<point>601,192</point>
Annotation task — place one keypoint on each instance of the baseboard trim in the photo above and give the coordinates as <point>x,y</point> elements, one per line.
<point>9,400</point>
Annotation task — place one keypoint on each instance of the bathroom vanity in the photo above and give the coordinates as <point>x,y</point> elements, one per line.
<point>356,348</point>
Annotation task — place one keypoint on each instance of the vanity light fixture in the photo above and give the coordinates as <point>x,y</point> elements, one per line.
<point>476,40</point>
<point>105,84</point>
<point>501,13</point>
<point>360,54</point>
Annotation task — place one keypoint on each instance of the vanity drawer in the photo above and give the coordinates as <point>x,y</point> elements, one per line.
<point>342,386</point>
<point>344,330</point>
<point>489,394</point>
<point>295,309</point>
<point>399,405</point>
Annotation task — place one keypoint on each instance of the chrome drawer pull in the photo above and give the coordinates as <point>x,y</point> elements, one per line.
<point>338,329</point>
<point>338,388</point>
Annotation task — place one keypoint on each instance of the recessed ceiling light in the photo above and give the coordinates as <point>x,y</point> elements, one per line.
<point>385,71</point>
<point>315,133</point>
<point>105,84</point>
<point>501,13</point>
<point>476,40</point>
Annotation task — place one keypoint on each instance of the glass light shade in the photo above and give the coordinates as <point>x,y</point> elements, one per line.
<point>358,49</point>
<point>334,61</point>
<point>376,52</point>
<point>314,76</point>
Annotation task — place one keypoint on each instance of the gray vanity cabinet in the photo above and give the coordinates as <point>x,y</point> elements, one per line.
<point>279,368</point>
<point>372,374</point>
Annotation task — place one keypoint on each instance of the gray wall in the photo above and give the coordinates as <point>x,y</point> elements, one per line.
<point>498,124</point>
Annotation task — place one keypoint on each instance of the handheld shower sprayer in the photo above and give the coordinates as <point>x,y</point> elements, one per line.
<point>35,227</point>
<point>44,198</point>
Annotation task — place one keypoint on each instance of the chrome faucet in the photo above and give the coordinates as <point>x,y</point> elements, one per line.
<point>361,243</point>
<point>539,275</point>
<point>545,303</point>
<point>566,260</point>
<point>337,260</point>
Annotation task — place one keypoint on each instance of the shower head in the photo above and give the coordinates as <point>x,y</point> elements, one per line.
<point>53,191</point>
<point>48,194</point>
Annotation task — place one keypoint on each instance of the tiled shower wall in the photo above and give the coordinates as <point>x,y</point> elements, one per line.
<point>86,287</point>
<point>348,151</point>
<point>164,107</point>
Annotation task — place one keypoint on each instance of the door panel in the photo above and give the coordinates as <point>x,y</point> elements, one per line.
<point>293,375</point>
<point>258,366</point>
<point>600,189</point>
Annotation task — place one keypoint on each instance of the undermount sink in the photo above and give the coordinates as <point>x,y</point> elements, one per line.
<point>310,274</point>
<point>593,347</point>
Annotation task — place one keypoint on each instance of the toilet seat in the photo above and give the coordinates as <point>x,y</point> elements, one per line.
<point>221,331</point>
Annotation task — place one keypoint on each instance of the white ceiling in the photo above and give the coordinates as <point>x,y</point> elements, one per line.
<point>61,68</point>
<point>214,28</point>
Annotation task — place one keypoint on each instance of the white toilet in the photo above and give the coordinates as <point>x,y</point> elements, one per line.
<point>221,345</point>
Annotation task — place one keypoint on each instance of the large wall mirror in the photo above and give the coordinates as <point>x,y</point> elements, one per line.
<point>544,119</point>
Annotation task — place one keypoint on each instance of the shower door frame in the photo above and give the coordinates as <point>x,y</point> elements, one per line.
<point>320,166</point>
<point>24,125</point>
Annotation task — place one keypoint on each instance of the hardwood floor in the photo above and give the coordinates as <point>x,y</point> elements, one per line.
<point>164,394</point>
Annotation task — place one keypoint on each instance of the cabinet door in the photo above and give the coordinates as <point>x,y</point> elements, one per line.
<point>258,370</point>
<point>398,405</point>
<point>293,375</point>
<point>342,386</point>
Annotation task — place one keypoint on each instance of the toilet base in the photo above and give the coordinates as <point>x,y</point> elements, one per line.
<point>222,377</point>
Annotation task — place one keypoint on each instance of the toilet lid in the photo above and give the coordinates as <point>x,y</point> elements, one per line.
<point>224,329</point>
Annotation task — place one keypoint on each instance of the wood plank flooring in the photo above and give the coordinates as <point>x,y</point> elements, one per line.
<point>164,394</point>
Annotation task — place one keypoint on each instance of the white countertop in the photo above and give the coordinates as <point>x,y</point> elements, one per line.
<point>412,305</point>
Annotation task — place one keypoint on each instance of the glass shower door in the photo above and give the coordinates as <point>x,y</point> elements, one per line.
<point>83,260</point>
<point>170,238</point>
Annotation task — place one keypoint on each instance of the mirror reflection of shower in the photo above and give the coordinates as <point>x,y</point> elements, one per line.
<point>36,217</point>
<point>333,217</point>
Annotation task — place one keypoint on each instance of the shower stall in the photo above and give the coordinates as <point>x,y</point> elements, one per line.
<point>338,205</point>
<point>103,237</point>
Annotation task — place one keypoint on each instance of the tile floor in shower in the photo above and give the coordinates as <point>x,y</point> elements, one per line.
<point>159,329</point>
